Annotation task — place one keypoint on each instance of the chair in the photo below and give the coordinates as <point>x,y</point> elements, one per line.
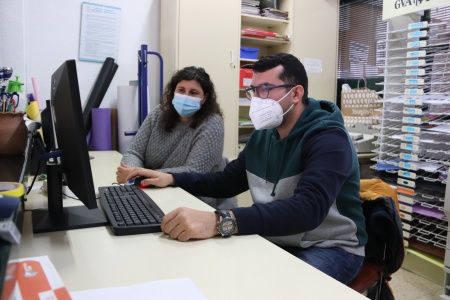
<point>368,279</point>
<point>385,249</point>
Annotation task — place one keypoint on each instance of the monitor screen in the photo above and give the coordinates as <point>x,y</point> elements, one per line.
<point>71,161</point>
<point>98,91</point>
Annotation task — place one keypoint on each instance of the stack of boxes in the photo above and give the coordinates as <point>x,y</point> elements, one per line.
<point>246,74</point>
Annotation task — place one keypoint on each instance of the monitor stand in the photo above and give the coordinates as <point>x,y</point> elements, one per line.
<point>57,217</point>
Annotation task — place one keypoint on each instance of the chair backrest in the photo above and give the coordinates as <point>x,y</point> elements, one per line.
<point>385,248</point>
<point>383,225</point>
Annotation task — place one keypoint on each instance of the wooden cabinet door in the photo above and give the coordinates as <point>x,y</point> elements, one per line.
<point>206,33</point>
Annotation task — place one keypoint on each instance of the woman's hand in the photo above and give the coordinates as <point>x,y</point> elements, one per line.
<point>152,177</point>
<point>122,172</point>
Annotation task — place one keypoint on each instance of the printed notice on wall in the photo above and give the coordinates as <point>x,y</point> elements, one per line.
<point>312,65</point>
<point>100,28</point>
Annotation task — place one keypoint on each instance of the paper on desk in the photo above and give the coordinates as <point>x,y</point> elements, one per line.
<point>33,278</point>
<point>182,288</point>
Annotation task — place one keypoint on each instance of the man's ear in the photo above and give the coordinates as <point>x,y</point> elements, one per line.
<point>298,92</point>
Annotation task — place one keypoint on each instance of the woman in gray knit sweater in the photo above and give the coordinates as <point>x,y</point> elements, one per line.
<point>184,133</point>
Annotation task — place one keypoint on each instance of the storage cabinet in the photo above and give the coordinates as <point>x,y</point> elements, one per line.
<point>205,33</point>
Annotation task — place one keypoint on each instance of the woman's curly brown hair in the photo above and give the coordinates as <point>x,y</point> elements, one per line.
<point>169,115</point>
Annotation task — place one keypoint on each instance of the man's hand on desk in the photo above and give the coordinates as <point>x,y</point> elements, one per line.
<point>154,178</point>
<point>185,224</point>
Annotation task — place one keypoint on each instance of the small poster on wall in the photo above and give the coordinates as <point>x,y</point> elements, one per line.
<point>100,28</point>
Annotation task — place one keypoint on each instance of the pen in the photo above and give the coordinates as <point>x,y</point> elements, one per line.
<point>12,99</point>
<point>10,107</point>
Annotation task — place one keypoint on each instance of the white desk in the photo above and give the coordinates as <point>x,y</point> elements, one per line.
<point>239,267</point>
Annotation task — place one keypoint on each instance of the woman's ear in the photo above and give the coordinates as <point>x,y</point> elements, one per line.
<point>204,99</point>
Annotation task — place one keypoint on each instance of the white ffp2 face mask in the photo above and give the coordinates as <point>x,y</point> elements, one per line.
<point>267,113</point>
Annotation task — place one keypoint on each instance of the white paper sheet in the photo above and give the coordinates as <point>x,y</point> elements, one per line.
<point>99,34</point>
<point>182,288</point>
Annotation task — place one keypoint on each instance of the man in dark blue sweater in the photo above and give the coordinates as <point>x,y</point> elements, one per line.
<point>302,171</point>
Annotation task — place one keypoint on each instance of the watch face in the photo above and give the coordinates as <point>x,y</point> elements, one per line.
<point>227,226</point>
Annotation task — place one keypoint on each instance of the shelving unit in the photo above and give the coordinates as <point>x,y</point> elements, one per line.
<point>413,145</point>
<point>265,46</point>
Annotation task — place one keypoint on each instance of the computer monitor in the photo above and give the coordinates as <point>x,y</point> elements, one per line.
<point>98,91</point>
<point>72,161</point>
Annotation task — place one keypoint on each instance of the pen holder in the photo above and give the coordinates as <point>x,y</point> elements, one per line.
<point>13,133</point>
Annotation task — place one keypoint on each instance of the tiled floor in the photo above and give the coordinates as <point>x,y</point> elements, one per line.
<point>409,286</point>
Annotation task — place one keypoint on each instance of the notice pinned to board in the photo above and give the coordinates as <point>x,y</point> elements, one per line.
<point>100,28</point>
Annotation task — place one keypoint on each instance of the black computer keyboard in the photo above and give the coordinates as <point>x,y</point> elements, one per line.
<point>130,210</point>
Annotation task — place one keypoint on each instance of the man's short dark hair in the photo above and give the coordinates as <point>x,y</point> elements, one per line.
<point>293,70</point>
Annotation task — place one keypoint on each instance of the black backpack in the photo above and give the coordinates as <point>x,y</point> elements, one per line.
<point>385,242</point>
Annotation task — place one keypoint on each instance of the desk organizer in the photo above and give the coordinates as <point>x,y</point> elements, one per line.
<point>413,145</point>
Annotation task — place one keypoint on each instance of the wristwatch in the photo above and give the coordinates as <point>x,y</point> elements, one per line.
<point>226,224</point>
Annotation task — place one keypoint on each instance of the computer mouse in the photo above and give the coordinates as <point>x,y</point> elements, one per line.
<point>138,182</point>
<point>134,181</point>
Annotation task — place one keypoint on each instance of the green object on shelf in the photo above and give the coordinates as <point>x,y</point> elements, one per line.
<point>245,122</point>
<point>15,86</point>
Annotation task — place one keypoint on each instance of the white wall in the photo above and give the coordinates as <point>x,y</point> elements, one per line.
<point>318,40</point>
<point>37,36</point>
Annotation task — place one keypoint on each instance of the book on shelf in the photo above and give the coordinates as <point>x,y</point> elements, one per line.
<point>250,7</point>
<point>250,2</point>
<point>245,122</point>
<point>250,10</point>
<point>263,34</point>
<point>274,13</point>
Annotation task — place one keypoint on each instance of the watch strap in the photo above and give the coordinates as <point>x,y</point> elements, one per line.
<point>223,213</point>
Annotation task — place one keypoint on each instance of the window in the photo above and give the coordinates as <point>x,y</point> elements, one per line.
<point>361,34</point>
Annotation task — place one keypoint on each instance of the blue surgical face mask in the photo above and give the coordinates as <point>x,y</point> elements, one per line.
<point>186,105</point>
